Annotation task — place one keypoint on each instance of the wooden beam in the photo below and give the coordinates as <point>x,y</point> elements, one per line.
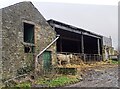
<point>85,33</point>
<point>72,39</point>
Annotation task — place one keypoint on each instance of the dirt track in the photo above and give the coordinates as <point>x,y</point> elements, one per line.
<point>105,76</point>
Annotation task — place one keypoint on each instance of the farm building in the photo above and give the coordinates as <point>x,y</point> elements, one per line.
<point>28,41</point>
<point>24,33</point>
<point>107,47</point>
<point>73,40</point>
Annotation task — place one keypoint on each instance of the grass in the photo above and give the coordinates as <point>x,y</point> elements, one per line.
<point>115,61</point>
<point>24,85</point>
<point>59,81</point>
<point>55,82</point>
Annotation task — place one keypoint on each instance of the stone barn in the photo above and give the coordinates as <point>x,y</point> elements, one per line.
<point>25,37</point>
<point>28,42</point>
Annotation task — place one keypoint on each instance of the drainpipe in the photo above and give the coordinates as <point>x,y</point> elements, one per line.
<point>36,58</point>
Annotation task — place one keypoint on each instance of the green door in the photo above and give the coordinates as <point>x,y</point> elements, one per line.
<point>46,60</point>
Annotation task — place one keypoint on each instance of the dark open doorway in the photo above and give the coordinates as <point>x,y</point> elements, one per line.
<point>68,42</point>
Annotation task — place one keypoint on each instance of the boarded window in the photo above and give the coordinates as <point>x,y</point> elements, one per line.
<point>28,37</point>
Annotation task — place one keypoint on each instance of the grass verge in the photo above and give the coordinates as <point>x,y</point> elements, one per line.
<point>55,82</point>
<point>58,81</point>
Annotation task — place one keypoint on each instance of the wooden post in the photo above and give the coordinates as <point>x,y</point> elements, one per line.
<point>98,42</point>
<point>82,46</point>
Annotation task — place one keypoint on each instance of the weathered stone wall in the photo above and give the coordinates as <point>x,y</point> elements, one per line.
<point>1,48</point>
<point>14,57</point>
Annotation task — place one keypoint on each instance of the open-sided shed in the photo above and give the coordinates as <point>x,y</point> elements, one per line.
<point>77,40</point>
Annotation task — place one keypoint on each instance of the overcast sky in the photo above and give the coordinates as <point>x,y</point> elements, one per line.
<point>99,16</point>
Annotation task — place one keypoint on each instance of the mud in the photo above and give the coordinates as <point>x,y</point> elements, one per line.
<point>99,76</point>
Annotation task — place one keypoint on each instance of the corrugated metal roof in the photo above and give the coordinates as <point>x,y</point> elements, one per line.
<point>72,27</point>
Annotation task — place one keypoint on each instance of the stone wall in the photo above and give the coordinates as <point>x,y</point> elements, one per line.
<point>0,48</point>
<point>14,58</point>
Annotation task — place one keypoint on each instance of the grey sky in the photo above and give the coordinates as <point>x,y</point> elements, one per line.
<point>101,19</point>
